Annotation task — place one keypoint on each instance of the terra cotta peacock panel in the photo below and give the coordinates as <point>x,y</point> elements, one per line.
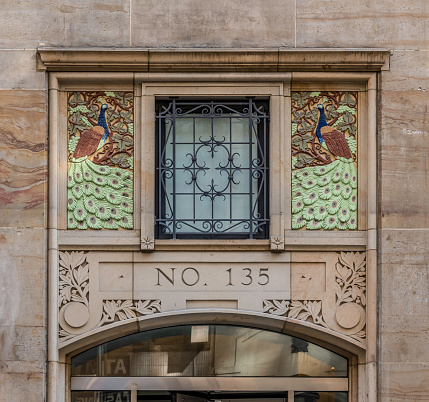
<point>324,160</point>
<point>100,160</point>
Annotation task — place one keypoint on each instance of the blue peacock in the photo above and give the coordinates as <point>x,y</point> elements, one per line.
<point>99,196</point>
<point>325,197</point>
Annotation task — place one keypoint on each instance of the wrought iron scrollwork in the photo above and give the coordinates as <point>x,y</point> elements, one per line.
<point>212,169</point>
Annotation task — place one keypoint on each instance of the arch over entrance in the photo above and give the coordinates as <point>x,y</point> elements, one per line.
<point>213,355</point>
<point>324,337</point>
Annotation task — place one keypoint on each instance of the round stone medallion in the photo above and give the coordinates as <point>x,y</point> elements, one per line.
<point>76,314</point>
<point>348,315</point>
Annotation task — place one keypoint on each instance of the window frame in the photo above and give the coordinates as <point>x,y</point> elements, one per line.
<point>271,91</point>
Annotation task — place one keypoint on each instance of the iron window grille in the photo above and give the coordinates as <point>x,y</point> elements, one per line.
<point>212,169</point>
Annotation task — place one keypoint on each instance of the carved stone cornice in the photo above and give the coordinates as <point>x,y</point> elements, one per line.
<point>211,60</point>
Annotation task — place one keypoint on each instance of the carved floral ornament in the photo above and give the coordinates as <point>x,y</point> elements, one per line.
<point>78,313</point>
<point>347,313</point>
<point>342,311</point>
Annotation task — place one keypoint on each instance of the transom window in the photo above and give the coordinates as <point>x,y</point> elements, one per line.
<point>180,363</point>
<point>212,169</point>
<point>209,351</point>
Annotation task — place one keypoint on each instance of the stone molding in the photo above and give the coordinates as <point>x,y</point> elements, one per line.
<point>210,60</point>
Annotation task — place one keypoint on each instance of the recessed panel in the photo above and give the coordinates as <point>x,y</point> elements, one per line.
<point>116,277</point>
<point>308,277</point>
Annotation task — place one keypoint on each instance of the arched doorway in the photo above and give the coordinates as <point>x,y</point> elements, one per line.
<point>209,362</point>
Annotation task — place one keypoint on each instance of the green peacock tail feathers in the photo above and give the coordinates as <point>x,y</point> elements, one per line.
<point>99,197</point>
<point>325,197</point>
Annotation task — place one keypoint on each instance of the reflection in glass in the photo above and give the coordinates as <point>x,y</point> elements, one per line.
<point>214,350</point>
<point>101,396</point>
<point>207,396</point>
<point>311,396</point>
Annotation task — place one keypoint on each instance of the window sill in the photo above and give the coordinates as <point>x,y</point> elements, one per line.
<point>129,240</point>
<point>195,245</point>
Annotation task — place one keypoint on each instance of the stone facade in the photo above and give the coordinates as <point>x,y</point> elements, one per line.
<point>401,356</point>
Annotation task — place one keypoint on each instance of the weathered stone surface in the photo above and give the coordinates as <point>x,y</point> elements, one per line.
<point>22,310</point>
<point>404,382</point>
<point>408,247</point>
<point>22,278</point>
<point>405,337</point>
<point>25,387</point>
<point>408,71</point>
<point>29,343</point>
<point>22,367</point>
<point>404,291</point>
<point>23,161</point>
<point>18,70</point>
<point>404,150</point>
<point>188,23</point>
<point>404,313</point>
<point>69,23</point>
<point>338,23</point>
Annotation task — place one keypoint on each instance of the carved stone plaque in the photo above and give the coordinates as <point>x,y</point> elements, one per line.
<point>178,283</point>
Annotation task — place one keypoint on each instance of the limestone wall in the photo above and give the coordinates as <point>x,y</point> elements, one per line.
<point>401,26</point>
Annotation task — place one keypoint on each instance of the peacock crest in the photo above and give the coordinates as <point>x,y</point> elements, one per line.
<point>324,160</point>
<point>100,160</point>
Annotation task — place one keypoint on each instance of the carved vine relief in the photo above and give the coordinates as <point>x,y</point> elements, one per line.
<point>324,160</point>
<point>348,314</point>
<point>76,314</point>
<point>100,160</point>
